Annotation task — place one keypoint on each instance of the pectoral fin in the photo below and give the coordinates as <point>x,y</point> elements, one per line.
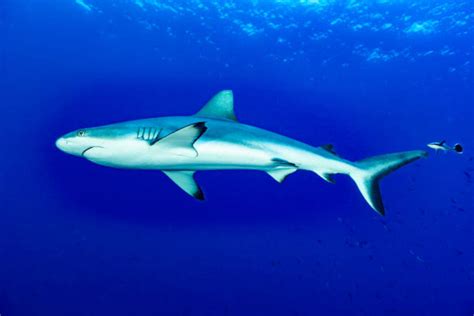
<point>185,180</point>
<point>181,142</point>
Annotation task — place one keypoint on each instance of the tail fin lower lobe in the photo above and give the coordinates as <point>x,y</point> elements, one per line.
<point>368,173</point>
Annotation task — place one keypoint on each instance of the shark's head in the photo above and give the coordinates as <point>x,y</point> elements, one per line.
<point>95,143</point>
<point>142,144</point>
<point>79,142</point>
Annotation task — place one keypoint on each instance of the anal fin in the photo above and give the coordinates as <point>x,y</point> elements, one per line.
<point>326,176</point>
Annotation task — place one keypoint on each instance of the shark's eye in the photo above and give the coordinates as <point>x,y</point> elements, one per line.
<point>81,133</point>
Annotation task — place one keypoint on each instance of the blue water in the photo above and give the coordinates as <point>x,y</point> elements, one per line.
<point>370,77</point>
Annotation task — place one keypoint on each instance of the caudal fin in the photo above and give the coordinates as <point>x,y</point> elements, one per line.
<point>368,173</point>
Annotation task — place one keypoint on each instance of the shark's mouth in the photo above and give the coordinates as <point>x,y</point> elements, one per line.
<point>89,148</point>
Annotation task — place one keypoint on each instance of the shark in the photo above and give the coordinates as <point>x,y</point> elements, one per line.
<point>213,139</point>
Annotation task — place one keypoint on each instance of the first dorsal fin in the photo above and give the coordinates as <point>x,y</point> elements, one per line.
<point>221,106</point>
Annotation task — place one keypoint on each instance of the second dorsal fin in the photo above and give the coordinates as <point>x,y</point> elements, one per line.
<point>221,106</point>
<point>329,148</point>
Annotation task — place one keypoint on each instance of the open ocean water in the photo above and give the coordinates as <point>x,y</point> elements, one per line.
<point>370,77</point>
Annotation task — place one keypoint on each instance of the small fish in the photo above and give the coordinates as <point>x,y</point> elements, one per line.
<point>442,146</point>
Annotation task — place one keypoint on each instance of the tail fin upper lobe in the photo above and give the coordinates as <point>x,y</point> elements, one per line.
<point>369,171</point>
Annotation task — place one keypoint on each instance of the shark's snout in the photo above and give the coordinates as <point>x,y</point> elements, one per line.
<point>71,145</point>
<point>61,143</point>
<point>79,143</point>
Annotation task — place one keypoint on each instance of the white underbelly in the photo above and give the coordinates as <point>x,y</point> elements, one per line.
<point>211,155</point>
<point>221,155</point>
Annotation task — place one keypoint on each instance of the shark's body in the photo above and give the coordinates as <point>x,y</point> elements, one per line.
<point>212,140</point>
